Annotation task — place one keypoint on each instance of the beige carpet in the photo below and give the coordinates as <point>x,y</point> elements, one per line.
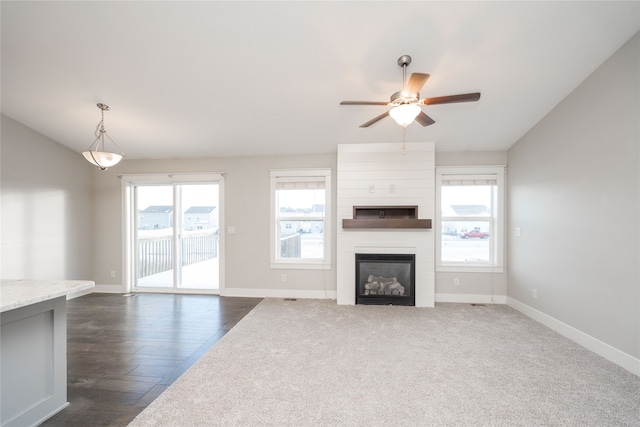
<point>314,363</point>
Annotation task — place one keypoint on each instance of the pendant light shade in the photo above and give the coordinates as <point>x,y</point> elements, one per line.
<point>103,159</point>
<point>405,114</point>
<point>97,154</point>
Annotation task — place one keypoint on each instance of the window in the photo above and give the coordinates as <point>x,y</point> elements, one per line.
<point>300,218</point>
<point>470,218</point>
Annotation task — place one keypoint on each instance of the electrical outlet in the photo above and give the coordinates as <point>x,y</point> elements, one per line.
<point>534,293</point>
<point>113,273</point>
<point>518,231</point>
<point>456,281</point>
<point>284,277</point>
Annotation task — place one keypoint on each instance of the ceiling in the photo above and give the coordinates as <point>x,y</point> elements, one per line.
<point>210,79</point>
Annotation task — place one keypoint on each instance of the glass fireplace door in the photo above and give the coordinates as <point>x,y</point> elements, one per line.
<point>385,279</point>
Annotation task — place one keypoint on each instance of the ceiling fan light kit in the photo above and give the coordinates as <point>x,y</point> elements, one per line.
<point>97,154</point>
<point>405,114</point>
<point>406,104</point>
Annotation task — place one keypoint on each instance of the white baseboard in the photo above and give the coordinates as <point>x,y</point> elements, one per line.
<point>108,289</point>
<point>471,298</point>
<point>79,293</point>
<point>603,349</point>
<point>277,293</point>
<point>241,292</point>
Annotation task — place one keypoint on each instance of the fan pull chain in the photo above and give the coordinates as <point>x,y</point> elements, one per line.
<point>404,141</point>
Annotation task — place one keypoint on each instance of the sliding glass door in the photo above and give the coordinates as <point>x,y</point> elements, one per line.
<point>176,236</point>
<point>199,233</point>
<point>154,238</point>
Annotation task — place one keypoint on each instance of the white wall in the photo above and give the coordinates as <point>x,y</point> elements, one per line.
<point>574,192</point>
<point>247,269</point>
<point>490,288</point>
<point>47,219</point>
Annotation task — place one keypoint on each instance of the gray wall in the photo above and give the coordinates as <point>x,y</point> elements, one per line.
<point>246,208</point>
<point>46,207</point>
<point>574,191</point>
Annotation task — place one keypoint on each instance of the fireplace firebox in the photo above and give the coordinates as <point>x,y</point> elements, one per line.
<point>385,279</point>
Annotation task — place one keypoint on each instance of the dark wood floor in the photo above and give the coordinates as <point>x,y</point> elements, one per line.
<point>123,351</point>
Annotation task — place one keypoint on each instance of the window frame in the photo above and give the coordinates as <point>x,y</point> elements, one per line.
<point>304,175</point>
<point>497,220</point>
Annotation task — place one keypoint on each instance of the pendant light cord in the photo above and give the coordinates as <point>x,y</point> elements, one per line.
<point>100,131</point>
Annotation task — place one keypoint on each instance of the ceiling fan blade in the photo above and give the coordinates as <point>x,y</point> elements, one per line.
<point>416,82</point>
<point>465,97</point>
<point>424,120</point>
<point>375,119</point>
<point>363,103</point>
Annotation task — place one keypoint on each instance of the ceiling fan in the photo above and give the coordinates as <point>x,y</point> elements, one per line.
<point>406,104</point>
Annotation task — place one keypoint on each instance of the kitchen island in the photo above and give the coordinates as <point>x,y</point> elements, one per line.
<point>33,348</point>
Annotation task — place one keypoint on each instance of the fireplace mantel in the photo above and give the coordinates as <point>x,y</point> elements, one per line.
<point>385,217</point>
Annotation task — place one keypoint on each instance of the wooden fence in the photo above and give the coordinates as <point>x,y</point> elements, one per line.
<point>291,246</point>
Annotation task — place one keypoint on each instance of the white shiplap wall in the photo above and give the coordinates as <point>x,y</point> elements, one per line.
<point>385,174</point>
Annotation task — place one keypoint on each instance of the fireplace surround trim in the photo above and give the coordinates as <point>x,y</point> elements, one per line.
<point>385,279</point>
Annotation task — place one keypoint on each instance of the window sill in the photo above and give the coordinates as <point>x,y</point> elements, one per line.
<point>469,269</point>
<point>300,266</point>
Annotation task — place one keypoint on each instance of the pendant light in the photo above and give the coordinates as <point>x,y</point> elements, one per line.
<point>97,154</point>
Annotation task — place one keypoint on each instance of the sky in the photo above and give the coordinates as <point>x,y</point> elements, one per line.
<point>192,195</point>
<point>466,195</point>
<point>300,199</point>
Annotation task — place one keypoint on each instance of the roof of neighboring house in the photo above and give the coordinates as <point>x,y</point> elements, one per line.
<point>200,209</point>
<point>464,210</point>
<point>288,210</point>
<point>317,208</point>
<point>158,209</point>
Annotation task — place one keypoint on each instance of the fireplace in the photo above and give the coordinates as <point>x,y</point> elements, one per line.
<point>385,279</point>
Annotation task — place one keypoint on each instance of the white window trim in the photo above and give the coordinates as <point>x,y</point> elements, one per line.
<point>324,263</point>
<point>128,181</point>
<point>170,178</point>
<point>459,172</point>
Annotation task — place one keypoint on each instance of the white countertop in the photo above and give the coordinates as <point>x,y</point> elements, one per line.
<point>21,293</point>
